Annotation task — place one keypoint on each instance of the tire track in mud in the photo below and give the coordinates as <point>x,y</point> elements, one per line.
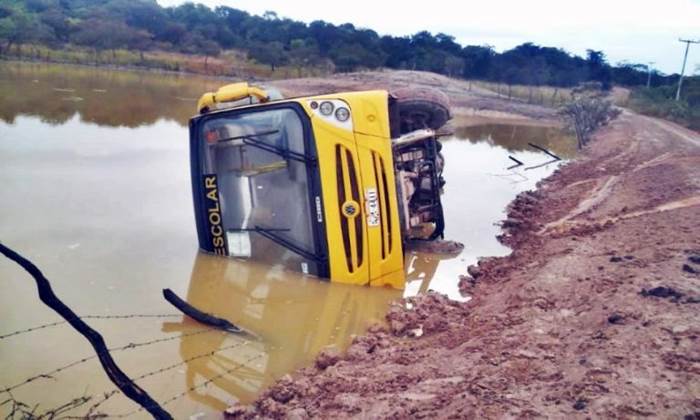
<point>604,187</point>
<point>562,226</point>
<point>600,192</point>
<point>679,132</point>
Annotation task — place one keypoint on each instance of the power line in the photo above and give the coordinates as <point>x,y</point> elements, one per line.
<point>685,58</point>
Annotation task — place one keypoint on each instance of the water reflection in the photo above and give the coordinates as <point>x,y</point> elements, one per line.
<point>295,317</point>
<point>480,184</point>
<point>56,93</point>
<point>515,138</point>
<point>421,268</point>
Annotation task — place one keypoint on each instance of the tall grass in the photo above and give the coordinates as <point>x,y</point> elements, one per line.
<point>660,102</point>
<point>542,95</point>
<point>231,63</point>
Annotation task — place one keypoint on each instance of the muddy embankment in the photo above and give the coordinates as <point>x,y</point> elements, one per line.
<point>594,314</point>
<point>471,105</point>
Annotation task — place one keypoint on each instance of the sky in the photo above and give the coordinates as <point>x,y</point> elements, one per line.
<point>638,31</point>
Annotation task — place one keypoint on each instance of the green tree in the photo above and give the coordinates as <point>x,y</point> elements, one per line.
<point>17,26</point>
<point>58,22</point>
<point>454,65</point>
<point>477,61</point>
<point>275,40</point>
<point>303,53</point>
<point>196,43</point>
<point>104,35</point>
<point>598,68</point>
<point>271,53</point>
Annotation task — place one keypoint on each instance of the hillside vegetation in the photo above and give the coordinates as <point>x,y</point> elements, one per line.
<point>229,42</point>
<point>660,102</point>
<point>143,25</point>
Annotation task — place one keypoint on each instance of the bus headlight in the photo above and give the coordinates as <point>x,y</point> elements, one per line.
<point>342,114</point>
<point>326,108</point>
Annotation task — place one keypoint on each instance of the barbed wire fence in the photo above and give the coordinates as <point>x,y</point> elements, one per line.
<point>54,324</point>
<point>106,396</point>
<point>22,410</point>
<point>125,385</point>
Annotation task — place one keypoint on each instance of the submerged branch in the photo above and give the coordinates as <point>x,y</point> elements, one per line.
<point>198,315</point>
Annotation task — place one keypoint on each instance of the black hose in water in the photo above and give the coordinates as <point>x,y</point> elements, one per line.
<point>198,315</point>
<point>116,375</point>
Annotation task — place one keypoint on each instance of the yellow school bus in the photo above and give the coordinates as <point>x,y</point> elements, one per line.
<point>329,185</point>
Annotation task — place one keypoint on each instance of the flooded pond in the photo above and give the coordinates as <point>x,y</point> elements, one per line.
<point>96,191</point>
<point>479,187</point>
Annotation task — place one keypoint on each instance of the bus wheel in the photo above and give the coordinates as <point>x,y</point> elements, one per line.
<point>420,108</point>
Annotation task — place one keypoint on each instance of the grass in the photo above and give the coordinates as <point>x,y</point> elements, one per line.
<point>542,95</point>
<point>656,102</point>
<point>230,63</point>
<point>660,102</point>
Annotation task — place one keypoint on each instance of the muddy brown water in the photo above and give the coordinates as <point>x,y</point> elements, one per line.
<point>96,191</point>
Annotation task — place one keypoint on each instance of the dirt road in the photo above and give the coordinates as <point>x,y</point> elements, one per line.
<point>594,314</point>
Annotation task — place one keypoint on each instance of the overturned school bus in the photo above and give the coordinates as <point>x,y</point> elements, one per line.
<point>329,185</point>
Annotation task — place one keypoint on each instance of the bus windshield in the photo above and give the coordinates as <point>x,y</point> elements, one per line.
<point>260,161</point>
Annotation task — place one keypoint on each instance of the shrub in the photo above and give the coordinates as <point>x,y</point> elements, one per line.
<point>660,102</point>
<point>587,111</point>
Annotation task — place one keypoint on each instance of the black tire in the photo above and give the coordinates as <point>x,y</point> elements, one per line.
<point>420,108</point>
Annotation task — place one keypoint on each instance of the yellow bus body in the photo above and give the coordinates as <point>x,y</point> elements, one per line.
<point>357,180</point>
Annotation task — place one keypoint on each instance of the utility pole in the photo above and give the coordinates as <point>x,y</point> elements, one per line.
<point>649,73</point>
<point>685,58</point>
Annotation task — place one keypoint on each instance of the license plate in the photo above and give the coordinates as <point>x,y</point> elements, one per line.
<point>372,207</point>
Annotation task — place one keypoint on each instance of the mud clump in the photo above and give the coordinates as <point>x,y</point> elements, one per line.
<point>662,292</point>
<point>297,414</point>
<point>327,357</point>
<point>474,271</point>
<point>363,346</point>
<point>423,315</point>
<point>485,270</point>
<point>688,269</point>
<point>238,412</point>
<point>512,222</point>
<point>616,319</point>
<point>283,391</point>
<point>521,220</point>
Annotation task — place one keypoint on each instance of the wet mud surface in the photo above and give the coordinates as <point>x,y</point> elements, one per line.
<point>594,314</point>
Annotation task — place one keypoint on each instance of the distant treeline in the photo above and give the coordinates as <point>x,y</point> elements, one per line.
<point>143,25</point>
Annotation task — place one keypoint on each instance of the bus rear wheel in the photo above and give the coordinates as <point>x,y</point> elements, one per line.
<point>419,108</point>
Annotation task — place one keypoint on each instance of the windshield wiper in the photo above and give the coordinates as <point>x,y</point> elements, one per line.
<point>250,140</point>
<point>260,134</point>
<point>285,153</point>
<point>257,228</point>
